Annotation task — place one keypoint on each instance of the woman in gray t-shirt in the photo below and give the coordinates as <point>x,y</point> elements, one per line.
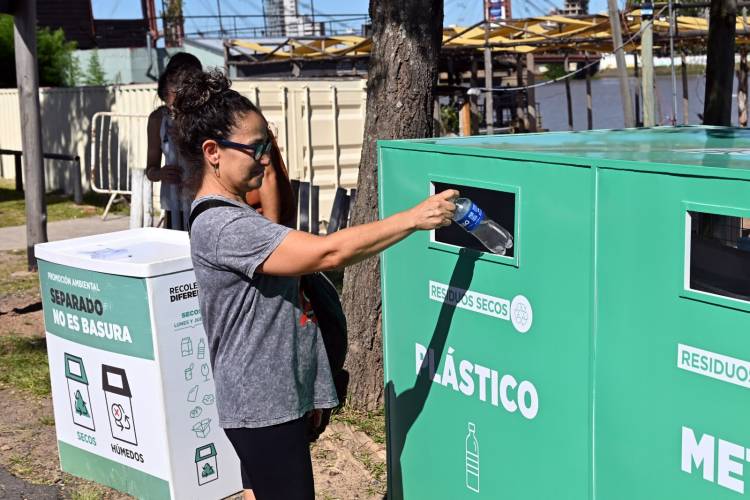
<point>269,362</point>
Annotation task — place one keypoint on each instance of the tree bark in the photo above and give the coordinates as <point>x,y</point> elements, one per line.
<point>717,109</point>
<point>402,74</point>
<point>27,77</point>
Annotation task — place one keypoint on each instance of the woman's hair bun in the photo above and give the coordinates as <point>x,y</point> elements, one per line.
<point>198,89</point>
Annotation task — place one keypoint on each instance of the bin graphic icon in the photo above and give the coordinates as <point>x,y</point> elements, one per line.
<point>78,392</point>
<point>119,407</point>
<point>205,464</point>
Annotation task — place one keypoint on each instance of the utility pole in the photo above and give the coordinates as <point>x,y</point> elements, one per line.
<point>489,110</point>
<point>221,26</point>
<point>27,78</point>
<point>530,94</point>
<point>622,70</point>
<point>671,59</point>
<point>647,59</point>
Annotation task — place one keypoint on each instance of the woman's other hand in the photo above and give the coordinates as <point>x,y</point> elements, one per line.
<point>436,211</point>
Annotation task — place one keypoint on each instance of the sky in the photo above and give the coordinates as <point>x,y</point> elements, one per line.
<point>459,12</point>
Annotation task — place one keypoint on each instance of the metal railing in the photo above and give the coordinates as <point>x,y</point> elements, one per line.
<point>75,172</point>
<point>118,144</point>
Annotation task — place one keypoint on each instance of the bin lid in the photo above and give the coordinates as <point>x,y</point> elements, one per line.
<point>689,150</point>
<point>74,369</point>
<point>115,380</point>
<point>205,452</point>
<point>143,252</point>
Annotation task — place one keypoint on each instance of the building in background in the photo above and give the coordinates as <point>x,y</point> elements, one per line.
<point>575,8</point>
<point>282,19</point>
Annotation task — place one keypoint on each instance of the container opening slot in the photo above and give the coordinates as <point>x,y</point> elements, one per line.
<point>115,380</point>
<point>499,206</point>
<point>74,368</point>
<point>719,254</point>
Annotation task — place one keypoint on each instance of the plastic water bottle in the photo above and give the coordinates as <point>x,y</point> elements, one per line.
<point>472,459</point>
<point>473,219</point>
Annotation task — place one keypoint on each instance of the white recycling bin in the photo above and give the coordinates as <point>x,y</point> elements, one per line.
<point>132,386</point>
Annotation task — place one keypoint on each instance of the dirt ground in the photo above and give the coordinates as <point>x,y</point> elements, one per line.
<point>347,463</point>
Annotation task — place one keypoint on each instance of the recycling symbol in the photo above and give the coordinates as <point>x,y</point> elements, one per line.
<point>207,470</point>
<point>81,407</point>
<point>521,314</point>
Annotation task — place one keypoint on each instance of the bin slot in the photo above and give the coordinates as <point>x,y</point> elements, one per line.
<point>499,206</point>
<point>74,368</point>
<point>719,254</point>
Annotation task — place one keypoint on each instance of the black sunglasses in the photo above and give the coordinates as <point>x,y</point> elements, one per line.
<point>258,149</point>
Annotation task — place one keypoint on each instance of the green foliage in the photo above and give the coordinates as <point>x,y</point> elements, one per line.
<point>94,71</point>
<point>554,70</point>
<point>59,206</point>
<point>449,119</point>
<point>23,364</point>
<point>57,66</point>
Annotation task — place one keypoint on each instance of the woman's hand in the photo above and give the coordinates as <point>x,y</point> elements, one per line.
<point>171,174</point>
<point>436,211</point>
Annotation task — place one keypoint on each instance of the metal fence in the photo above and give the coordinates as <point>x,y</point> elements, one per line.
<point>320,126</point>
<point>118,145</point>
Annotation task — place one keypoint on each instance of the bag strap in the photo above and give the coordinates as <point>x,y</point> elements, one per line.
<point>206,205</point>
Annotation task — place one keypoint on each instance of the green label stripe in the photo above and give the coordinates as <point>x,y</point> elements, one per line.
<point>102,470</point>
<point>104,311</point>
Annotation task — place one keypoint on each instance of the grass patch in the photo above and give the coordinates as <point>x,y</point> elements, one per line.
<point>87,492</point>
<point>59,206</point>
<point>47,420</point>
<point>371,423</point>
<point>14,275</point>
<point>23,364</point>
<point>21,466</point>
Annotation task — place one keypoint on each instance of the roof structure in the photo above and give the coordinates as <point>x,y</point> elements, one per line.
<point>544,34</point>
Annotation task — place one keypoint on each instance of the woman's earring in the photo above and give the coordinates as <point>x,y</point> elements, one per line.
<point>216,169</point>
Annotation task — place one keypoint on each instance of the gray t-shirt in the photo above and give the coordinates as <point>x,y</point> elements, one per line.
<point>269,361</point>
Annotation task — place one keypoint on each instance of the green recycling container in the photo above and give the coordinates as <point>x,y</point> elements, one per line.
<point>607,354</point>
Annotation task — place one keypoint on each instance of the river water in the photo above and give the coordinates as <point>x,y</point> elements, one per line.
<point>607,107</point>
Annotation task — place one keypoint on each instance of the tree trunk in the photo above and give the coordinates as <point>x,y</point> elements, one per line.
<point>402,73</point>
<point>27,77</point>
<point>720,63</point>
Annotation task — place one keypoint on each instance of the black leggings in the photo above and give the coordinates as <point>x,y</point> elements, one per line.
<point>275,460</point>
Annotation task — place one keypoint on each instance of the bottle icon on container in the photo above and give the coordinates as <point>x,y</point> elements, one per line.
<point>201,349</point>
<point>472,459</point>
<point>473,220</point>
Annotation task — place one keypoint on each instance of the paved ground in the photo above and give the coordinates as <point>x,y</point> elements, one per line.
<point>13,488</point>
<point>14,238</point>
